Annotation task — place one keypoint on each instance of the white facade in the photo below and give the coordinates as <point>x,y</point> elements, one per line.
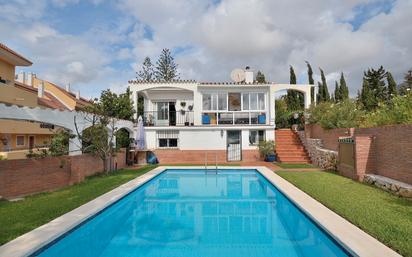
<point>189,115</point>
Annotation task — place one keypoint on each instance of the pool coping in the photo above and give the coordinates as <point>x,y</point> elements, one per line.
<point>353,239</point>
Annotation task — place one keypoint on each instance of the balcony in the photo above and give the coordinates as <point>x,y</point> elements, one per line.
<point>234,118</point>
<point>168,118</point>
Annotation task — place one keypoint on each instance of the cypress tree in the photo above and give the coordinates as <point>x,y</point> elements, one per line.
<point>337,95</point>
<point>166,68</point>
<point>292,99</point>
<point>292,75</point>
<point>311,81</point>
<point>344,90</point>
<point>260,77</point>
<point>319,95</point>
<point>325,90</point>
<point>147,72</point>
<point>367,99</point>
<point>392,91</point>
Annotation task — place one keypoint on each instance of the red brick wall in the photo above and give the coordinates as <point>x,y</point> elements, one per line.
<point>171,156</point>
<point>329,136</point>
<point>28,176</point>
<point>393,151</point>
<point>392,148</point>
<point>365,156</point>
<point>22,177</point>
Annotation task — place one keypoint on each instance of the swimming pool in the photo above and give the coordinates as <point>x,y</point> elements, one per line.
<point>197,213</point>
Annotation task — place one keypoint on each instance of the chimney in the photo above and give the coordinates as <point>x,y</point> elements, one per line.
<point>20,77</point>
<point>40,90</point>
<point>78,95</point>
<point>68,87</point>
<point>248,75</point>
<point>29,80</point>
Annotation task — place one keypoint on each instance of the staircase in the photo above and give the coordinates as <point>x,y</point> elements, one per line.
<point>289,148</point>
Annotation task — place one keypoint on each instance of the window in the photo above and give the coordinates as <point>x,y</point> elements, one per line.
<point>222,102</point>
<point>245,101</point>
<point>20,140</point>
<point>214,102</point>
<point>207,102</point>
<point>234,102</point>
<point>162,110</point>
<point>261,101</point>
<point>253,101</point>
<point>256,136</point>
<point>167,138</point>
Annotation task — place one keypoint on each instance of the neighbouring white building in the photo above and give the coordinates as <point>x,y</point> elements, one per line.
<point>195,117</point>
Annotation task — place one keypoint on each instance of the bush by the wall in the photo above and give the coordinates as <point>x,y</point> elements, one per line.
<point>398,111</point>
<point>336,115</point>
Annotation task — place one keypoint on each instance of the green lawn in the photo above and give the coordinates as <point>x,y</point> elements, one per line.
<point>294,165</point>
<point>383,215</point>
<point>17,218</point>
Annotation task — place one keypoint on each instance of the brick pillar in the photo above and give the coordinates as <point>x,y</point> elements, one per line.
<point>365,156</point>
<point>76,176</point>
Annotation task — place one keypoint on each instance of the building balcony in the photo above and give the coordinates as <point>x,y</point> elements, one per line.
<point>208,118</point>
<point>234,118</point>
<point>168,118</point>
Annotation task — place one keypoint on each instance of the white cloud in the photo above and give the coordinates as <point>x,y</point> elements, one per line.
<point>270,36</point>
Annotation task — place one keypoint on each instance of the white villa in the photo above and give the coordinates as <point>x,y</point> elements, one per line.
<point>229,118</point>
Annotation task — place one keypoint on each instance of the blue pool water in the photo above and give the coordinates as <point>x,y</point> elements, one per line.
<point>179,213</point>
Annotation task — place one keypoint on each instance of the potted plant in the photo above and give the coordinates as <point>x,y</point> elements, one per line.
<point>267,150</point>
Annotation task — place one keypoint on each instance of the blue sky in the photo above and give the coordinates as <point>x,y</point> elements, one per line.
<point>98,44</point>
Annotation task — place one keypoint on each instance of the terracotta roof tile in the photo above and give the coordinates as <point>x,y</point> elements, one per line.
<point>48,101</point>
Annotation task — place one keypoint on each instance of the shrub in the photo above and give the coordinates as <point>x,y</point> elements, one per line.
<point>329,115</point>
<point>398,111</point>
<point>266,148</point>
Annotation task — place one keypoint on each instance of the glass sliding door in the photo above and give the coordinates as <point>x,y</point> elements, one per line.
<point>162,114</point>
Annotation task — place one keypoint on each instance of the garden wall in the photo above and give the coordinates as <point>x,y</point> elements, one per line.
<point>385,151</point>
<point>29,176</point>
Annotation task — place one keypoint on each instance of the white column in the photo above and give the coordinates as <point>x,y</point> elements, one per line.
<point>272,111</point>
<point>75,146</point>
<point>308,101</point>
<point>197,107</point>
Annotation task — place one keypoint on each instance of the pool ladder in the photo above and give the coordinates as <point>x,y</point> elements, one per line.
<point>206,159</point>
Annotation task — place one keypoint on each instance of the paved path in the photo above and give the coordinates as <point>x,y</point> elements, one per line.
<point>269,165</point>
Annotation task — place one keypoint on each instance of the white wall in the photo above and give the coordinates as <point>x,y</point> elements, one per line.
<point>212,139</point>
<point>202,140</point>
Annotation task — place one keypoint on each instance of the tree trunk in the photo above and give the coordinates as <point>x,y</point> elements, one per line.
<point>106,165</point>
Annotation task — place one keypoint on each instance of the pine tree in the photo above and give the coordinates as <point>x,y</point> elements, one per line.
<point>166,68</point>
<point>406,86</point>
<point>392,91</point>
<point>260,77</point>
<point>376,83</point>
<point>344,90</point>
<point>147,72</point>
<point>311,81</point>
<point>337,95</point>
